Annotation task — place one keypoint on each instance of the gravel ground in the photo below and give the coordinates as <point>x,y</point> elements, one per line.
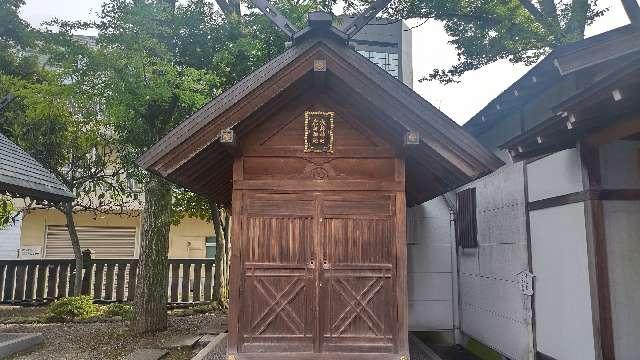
<point>80,341</point>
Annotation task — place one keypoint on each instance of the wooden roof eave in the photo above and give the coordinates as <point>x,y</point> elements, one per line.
<point>578,116</point>
<point>249,84</point>
<point>435,127</point>
<point>439,133</point>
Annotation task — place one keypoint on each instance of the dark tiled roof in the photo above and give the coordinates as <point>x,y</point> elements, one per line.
<point>21,174</point>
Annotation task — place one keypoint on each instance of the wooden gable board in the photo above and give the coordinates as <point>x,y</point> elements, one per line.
<point>442,137</point>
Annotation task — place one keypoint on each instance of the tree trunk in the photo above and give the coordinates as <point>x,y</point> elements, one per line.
<point>150,303</point>
<point>227,252</point>
<point>75,244</point>
<point>577,21</point>
<point>220,291</point>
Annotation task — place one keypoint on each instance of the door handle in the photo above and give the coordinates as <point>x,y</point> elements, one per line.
<point>325,265</point>
<point>312,264</point>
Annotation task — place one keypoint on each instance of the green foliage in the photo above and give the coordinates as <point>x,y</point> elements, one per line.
<point>125,311</point>
<point>72,308</point>
<point>484,31</point>
<point>7,210</point>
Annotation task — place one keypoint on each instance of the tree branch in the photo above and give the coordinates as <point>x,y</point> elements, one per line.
<point>632,9</point>
<point>533,10</point>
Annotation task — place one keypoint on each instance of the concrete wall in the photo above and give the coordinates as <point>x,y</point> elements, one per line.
<point>564,327</point>
<point>431,253</point>
<point>185,240</point>
<point>493,310</point>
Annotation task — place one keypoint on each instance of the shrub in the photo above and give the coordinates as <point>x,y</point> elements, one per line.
<point>125,311</point>
<point>72,308</point>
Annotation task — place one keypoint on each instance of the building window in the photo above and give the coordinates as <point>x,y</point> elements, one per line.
<point>466,223</point>
<point>210,246</point>
<point>387,61</point>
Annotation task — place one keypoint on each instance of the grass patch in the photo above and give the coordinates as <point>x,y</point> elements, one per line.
<point>125,311</point>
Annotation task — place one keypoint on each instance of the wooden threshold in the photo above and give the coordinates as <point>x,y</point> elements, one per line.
<point>316,356</point>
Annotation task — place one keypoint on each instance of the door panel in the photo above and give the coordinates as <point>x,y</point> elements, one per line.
<point>345,303</point>
<point>357,275</point>
<point>278,276</point>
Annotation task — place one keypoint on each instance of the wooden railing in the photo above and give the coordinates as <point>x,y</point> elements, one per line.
<point>107,280</point>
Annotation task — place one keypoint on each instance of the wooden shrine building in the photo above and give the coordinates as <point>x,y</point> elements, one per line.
<point>319,152</point>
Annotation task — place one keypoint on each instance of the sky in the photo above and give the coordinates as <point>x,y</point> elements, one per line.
<point>430,50</point>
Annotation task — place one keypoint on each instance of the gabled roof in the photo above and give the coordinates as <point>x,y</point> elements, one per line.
<point>561,61</point>
<point>22,175</point>
<point>592,109</point>
<point>446,150</point>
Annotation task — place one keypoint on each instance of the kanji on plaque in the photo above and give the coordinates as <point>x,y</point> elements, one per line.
<point>318,131</point>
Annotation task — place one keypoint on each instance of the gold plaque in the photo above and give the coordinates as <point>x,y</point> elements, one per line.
<point>318,131</point>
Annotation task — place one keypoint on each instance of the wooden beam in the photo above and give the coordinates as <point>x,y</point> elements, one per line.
<point>411,138</point>
<point>597,255</point>
<point>620,130</point>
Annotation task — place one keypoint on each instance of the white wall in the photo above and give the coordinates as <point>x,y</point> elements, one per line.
<point>430,236</point>
<point>620,164</point>
<point>10,240</point>
<point>493,310</point>
<point>557,174</point>
<point>564,323</point>
<point>564,327</point>
<point>622,230</point>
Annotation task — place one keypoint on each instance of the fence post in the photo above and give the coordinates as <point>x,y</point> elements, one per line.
<point>87,265</point>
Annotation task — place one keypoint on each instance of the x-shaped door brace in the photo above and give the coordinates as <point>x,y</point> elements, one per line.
<point>358,305</point>
<point>279,305</point>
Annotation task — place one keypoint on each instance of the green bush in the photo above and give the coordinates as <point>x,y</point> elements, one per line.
<point>125,311</point>
<point>72,308</point>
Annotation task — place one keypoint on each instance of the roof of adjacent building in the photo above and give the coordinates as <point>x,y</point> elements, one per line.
<point>445,148</point>
<point>560,62</point>
<point>22,175</point>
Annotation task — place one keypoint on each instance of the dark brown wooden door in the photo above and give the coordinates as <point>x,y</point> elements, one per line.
<point>278,275</point>
<point>317,273</point>
<point>357,305</point>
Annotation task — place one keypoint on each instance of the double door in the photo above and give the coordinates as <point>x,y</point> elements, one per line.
<point>318,273</point>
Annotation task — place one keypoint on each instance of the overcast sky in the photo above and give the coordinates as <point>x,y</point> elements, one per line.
<point>430,50</point>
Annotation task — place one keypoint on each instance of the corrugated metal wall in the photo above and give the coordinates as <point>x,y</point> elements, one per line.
<point>492,308</point>
<point>430,271</point>
<point>106,242</point>
<point>10,240</point>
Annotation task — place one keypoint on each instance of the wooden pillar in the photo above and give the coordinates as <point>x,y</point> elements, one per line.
<point>597,255</point>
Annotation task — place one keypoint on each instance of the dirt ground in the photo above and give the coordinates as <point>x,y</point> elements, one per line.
<point>108,340</point>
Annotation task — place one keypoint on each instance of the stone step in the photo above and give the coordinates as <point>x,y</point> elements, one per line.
<point>146,354</point>
<point>182,341</point>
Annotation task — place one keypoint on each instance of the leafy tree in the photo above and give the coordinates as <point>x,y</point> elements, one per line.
<point>47,118</point>
<point>485,31</point>
<point>75,148</point>
<point>154,63</point>
<point>6,211</point>
<point>186,203</point>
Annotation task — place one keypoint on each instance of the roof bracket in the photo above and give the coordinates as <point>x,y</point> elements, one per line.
<point>353,27</point>
<point>276,17</point>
